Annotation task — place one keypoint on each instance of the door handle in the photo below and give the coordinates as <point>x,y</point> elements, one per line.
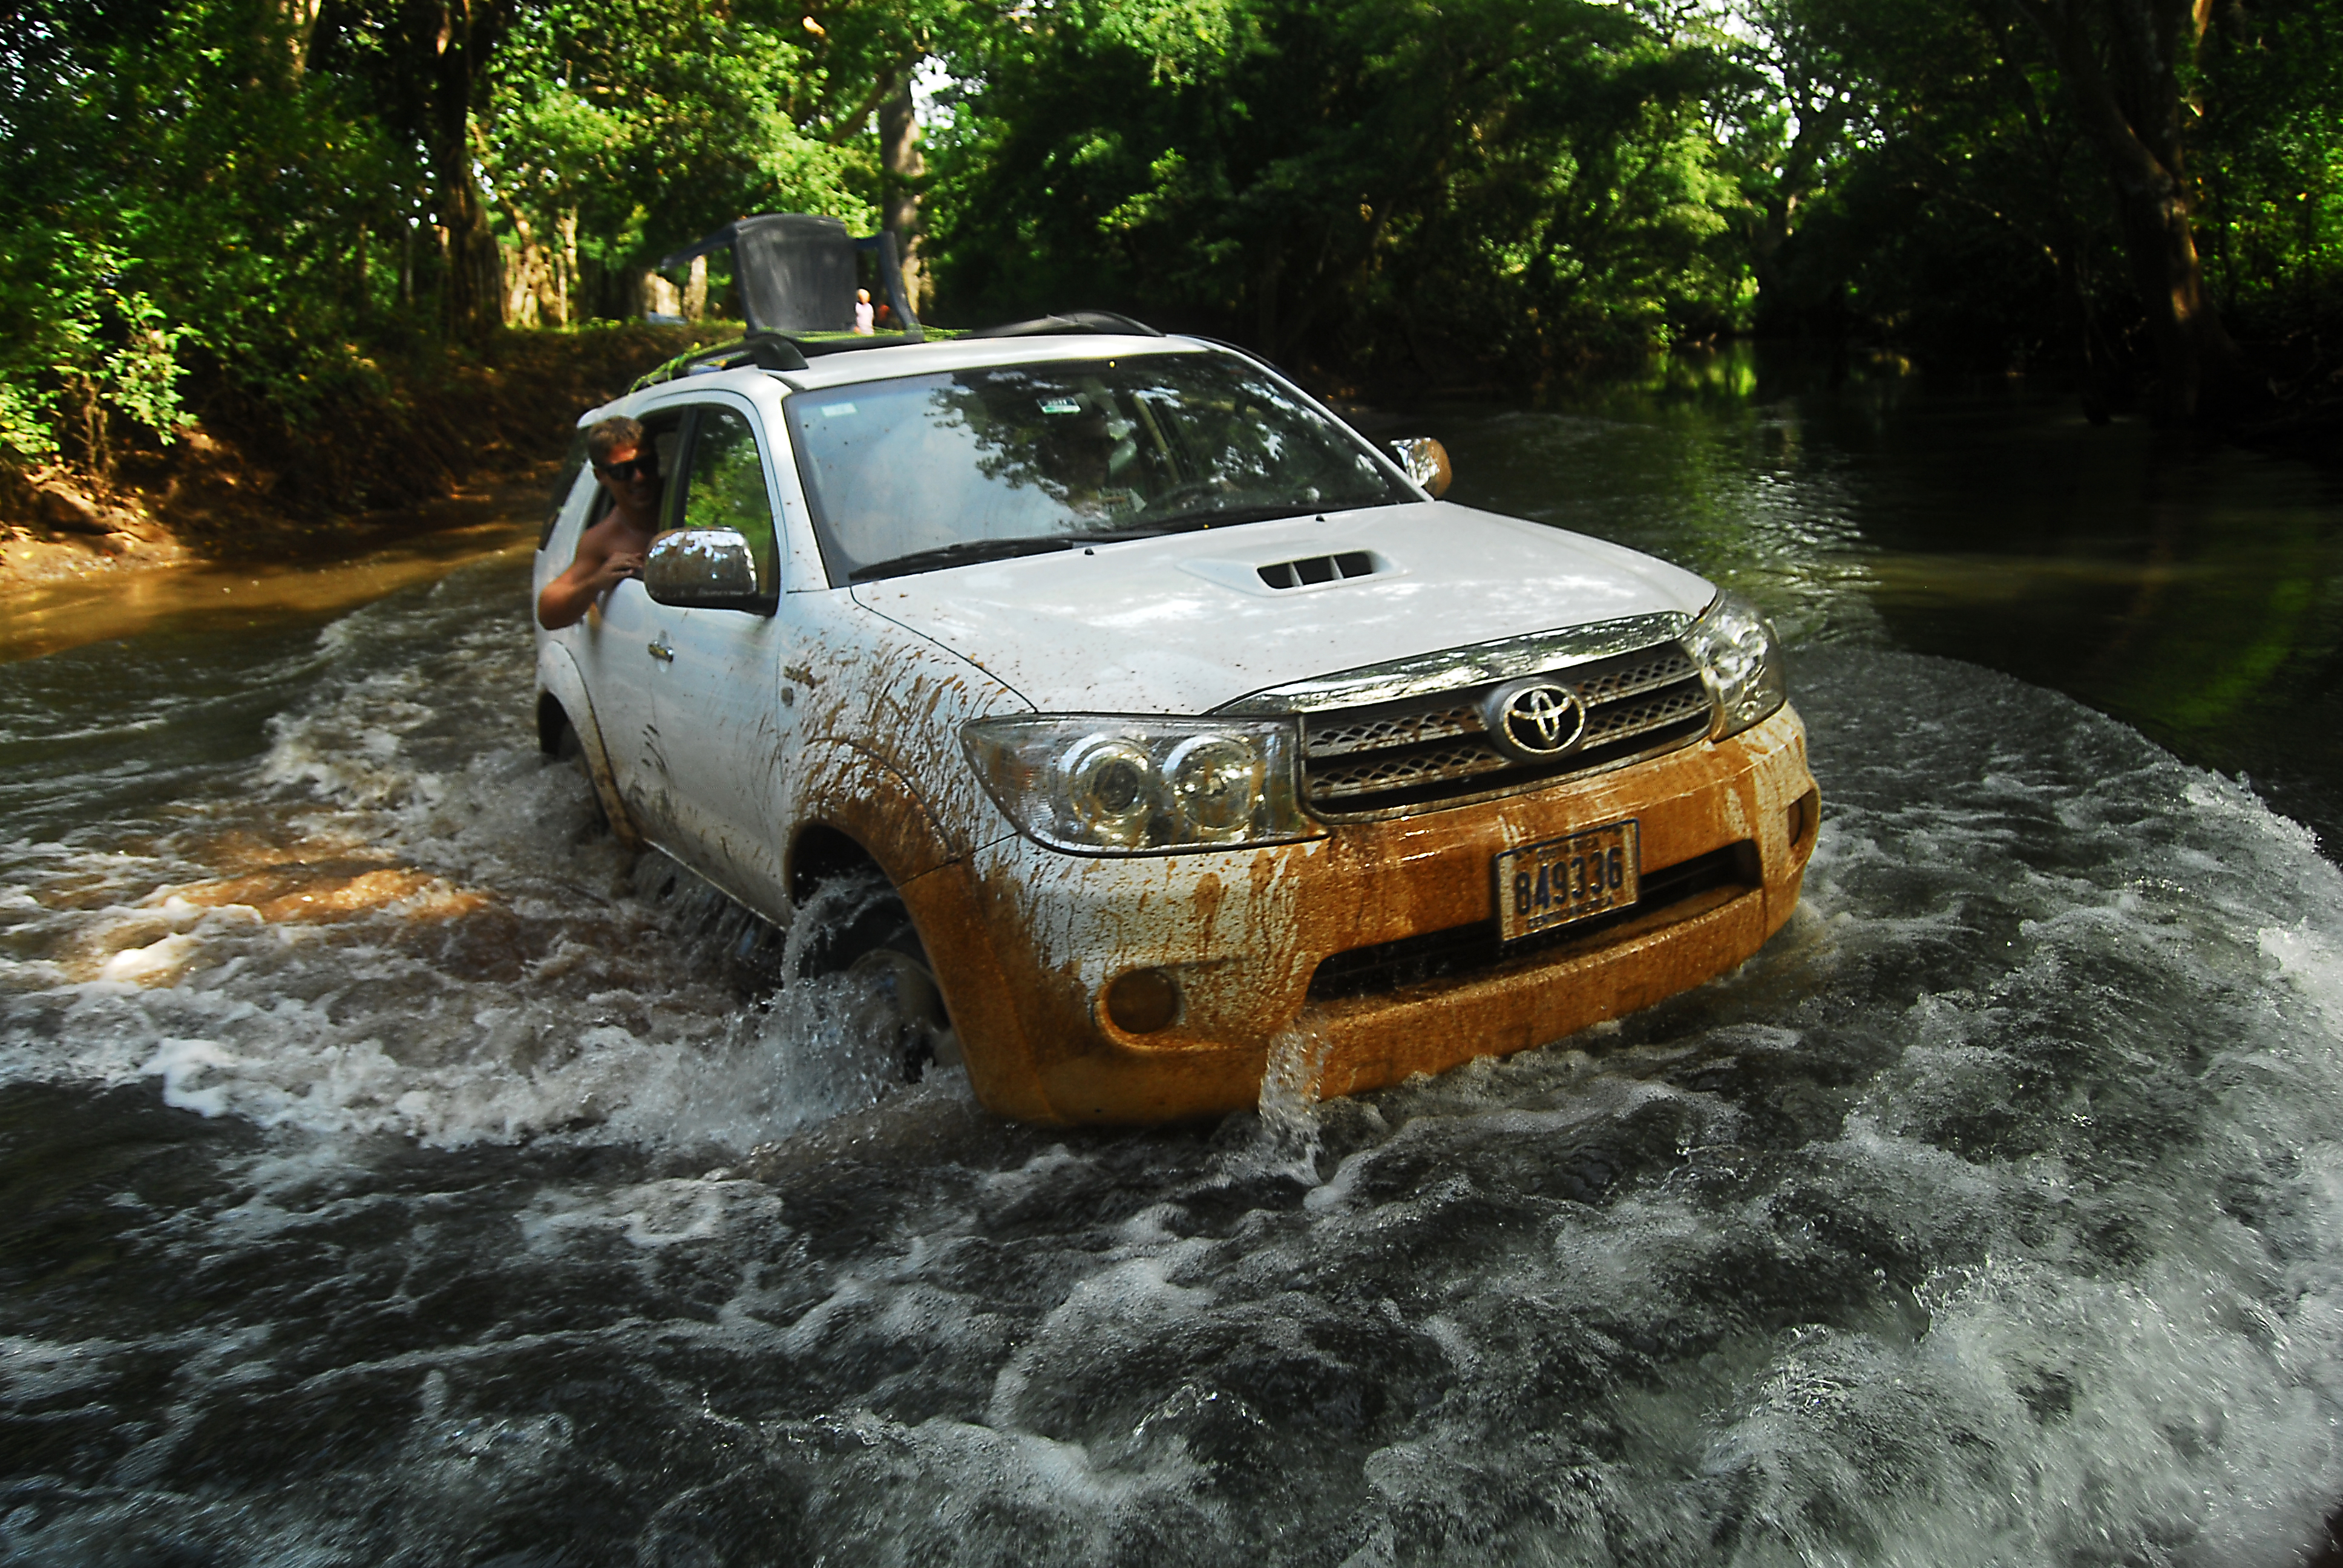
<point>660,651</point>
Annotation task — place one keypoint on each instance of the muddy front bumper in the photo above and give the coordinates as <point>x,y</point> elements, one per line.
<point>1373,952</point>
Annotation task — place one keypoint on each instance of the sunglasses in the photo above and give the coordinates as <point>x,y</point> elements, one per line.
<point>645,467</point>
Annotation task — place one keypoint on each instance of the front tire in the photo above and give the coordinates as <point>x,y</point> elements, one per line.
<point>874,946</point>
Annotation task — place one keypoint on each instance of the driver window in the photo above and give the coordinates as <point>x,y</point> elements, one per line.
<point>726,488</point>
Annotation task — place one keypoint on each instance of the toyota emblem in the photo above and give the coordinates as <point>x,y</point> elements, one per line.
<point>1535,720</point>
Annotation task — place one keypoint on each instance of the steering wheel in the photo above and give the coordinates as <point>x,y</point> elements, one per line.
<point>1193,489</point>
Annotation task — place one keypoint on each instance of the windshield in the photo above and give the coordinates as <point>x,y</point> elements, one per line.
<point>932,471</point>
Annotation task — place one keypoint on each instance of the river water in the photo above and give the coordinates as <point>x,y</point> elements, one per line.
<point>394,1173</point>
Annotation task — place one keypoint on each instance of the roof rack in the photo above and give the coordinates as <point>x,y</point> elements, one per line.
<point>788,351</point>
<point>1106,321</point>
<point>765,350</point>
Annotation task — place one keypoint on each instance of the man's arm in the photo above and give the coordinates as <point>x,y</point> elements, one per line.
<point>597,570</point>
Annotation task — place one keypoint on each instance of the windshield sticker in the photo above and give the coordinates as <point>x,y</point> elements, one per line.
<point>836,410</point>
<point>1061,406</point>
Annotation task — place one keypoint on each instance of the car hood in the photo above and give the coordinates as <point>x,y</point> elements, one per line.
<point>1185,623</point>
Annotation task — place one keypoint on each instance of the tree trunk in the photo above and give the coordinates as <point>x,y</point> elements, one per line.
<point>2197,362</point>
<point>694,290</point>
<point>518,305</point>
<point>2087,369</point>
<point>533,294</point>
<point>472,300</point>
<point>653,295</point>
<point>286,27</point>
<point>566,226</point>
<point>899,152</point>
<point>471,296</point>
<point>2131,111</point>
<point>545,279</point>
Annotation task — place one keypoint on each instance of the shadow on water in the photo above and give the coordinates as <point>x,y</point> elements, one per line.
<point>392,1171</point>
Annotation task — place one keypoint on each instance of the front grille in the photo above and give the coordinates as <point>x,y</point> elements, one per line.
<point>1431,749</point>
<point>1463,952</point>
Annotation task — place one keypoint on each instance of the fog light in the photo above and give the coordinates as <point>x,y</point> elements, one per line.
<point>1142,1001</point>
<point>1804,815</point>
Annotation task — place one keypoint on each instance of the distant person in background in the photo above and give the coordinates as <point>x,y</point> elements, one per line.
<point>862,313</point>
<point>626,464</point>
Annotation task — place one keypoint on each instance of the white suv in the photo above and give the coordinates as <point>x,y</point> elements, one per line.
<point>1183,723</point>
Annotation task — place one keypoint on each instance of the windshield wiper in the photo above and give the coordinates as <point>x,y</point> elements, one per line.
<point>1141,531</point>
<point>1220,517</point>
<point>964,552</point>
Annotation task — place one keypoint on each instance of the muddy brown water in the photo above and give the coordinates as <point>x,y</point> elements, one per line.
<point>394,1172</point>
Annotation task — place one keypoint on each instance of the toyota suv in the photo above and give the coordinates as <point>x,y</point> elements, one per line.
<point>1178,726</point>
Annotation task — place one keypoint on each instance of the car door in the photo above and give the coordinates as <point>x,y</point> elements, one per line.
<point>613,647</point>
<point>728,739</point>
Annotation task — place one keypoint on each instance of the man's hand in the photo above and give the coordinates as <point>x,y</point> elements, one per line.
<point>568,597</point>
<point>616,567</point>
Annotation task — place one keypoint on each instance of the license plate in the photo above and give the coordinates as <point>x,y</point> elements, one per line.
<point>1542,886</point>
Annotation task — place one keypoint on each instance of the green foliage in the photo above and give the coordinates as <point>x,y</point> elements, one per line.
<point>235,206</point>
<point>1956,205</point>
<point>169,194</point>
<point>654,122</point>
<point>1521,181</point>
<point>2270,160</point>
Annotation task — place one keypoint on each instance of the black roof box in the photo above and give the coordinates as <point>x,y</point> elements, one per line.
<point>797,272</point>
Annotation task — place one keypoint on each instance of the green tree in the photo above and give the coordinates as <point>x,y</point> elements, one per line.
<point>625,128</point>
<point>2125,66</point>
<point>180,191</point>
<point>2025,180</point>
<point>422,70</point>
<point>1512,183</point>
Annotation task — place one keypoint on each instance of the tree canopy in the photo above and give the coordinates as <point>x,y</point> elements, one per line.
<point>217,202</point>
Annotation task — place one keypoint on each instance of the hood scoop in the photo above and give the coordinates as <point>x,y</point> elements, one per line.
<point>1280,577</point>
<point>1311,570</point>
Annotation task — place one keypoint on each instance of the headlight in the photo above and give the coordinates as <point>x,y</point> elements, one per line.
<point>1097,784</point>
<point>1739,660</point>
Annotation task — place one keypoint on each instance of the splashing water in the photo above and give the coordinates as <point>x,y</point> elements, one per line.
<point>363,1101</point>
<point>384,927</point>
<point>1289,1114</point>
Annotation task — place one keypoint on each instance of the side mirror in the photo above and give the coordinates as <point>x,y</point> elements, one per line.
<point>1426,462</point>
<point>703,568</point>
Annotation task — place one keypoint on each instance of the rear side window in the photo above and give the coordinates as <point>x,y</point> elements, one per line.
<point>727,489</point>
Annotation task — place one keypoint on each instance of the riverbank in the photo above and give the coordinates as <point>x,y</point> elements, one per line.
<point>371,465</point>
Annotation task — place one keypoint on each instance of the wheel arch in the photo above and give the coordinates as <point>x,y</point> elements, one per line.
<point>855,809</point>
<point>860,811</point>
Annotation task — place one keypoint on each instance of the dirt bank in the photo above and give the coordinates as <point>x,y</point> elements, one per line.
<point>364,467</point>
